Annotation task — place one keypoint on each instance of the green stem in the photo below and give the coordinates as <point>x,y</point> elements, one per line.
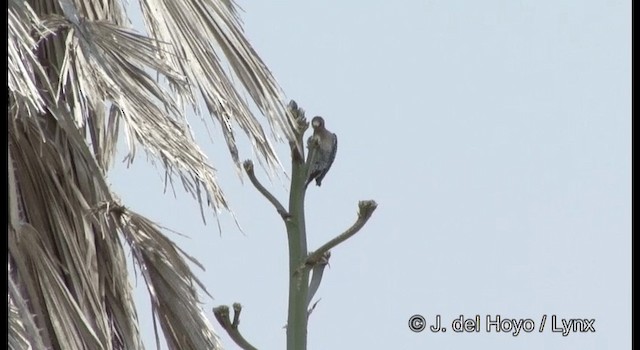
<point>298,282</point>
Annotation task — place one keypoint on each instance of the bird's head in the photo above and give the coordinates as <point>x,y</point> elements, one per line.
<point>317,122</point>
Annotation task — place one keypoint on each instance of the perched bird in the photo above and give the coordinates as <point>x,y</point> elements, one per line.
<point>325,153</point>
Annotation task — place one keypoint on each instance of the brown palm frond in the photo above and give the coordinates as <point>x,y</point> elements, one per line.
<point>172,286</point>
<point>69,265</point>
<point>77,76</point>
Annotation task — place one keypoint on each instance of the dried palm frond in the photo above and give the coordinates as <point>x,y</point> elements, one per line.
<point>77,76</point>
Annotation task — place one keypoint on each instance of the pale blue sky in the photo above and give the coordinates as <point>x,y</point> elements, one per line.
<point>495,136</point>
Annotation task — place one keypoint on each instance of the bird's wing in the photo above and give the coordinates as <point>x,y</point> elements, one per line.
<point>334,151</point>
<point>332,157</point>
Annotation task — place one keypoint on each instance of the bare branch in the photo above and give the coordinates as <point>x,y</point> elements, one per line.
<point>312,308</point>
<point>316,277</point>
<point>366,208</point>
<point>248,167</point>
<point>222,315</point>
<point>237,308</point>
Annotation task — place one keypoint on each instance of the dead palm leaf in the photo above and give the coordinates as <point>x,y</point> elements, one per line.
<point>77,74</point>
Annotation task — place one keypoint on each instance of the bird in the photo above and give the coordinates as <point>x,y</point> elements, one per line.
<point>325,154</point>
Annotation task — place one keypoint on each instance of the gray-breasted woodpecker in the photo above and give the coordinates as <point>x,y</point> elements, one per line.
<point>325,153</point>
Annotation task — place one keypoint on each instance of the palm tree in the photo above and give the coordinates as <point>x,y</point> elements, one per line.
<point>78,77</point>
